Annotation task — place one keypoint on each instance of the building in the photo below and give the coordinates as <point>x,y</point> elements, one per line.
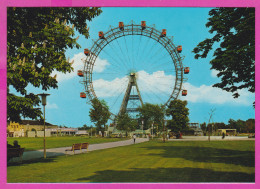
<point>196,128</point>
<point>15,129</point>
<point>22,129</point>
<point>227,132</point>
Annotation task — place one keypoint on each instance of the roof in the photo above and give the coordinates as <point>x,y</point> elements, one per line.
<point>35,122</point>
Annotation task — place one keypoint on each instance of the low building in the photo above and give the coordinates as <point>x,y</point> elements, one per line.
<point>21,129</point>
<point>62,131</point>
<point>227,132</point>
<point>196,129</point>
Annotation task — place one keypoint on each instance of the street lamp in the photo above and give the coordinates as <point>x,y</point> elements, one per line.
<point>44,95</point>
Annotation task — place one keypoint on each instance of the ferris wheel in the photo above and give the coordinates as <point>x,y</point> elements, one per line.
<point>133,64</point>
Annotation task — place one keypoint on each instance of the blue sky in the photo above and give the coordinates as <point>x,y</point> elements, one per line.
<point>187,25</point>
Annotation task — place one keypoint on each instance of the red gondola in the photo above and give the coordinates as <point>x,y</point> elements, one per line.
<point>186,70</point>
<point>163,34</point>
<point>86,52</point>
<point>121,25</point>
<point>82,95</point>
<point>80,73</point>
<point>184,92</point>
<point>101,35</point>
<point>179,49</point>
<point>143,24</point>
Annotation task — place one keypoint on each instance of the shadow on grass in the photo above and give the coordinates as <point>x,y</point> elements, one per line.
<point>27,162</point>
<point>206,154</point>
<point>168,175</point>
<point>34,157</point>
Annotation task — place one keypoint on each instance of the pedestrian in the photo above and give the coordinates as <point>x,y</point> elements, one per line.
<point>167,136</point>
<point>134,137</point>
<point>16,145</point>
<point>223,135</point>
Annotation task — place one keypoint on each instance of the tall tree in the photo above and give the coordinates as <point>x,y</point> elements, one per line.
<point>99,114</point>
<point>37,39</point>
<point>125,123</point>
<point>149,113</point>
<point>179,115</point>
<point>250,125</point>
<point>233,31</point>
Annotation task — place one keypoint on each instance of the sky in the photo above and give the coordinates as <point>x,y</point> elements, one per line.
<point>154,68</point>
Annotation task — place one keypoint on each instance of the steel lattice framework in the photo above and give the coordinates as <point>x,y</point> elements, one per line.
<point>133,29</point>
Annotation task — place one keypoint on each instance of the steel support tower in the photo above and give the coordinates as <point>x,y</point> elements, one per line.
<point>130,101</point>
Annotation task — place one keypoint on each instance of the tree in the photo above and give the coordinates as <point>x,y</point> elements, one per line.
<point>99,114</point>
<point>203,127</point>
<point>149,113</point>
<point>234,59</point>
<point>250,125</point>
<point>125,123</point>
<point>84,127</point>
<point>179,115</point>
<point>37,39</point>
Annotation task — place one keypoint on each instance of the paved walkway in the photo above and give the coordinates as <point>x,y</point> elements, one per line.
<point>61,151</point>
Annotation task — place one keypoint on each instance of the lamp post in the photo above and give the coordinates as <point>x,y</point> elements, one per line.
<point>142,128</point>
<point>152,129</point>
<point>44,95</point>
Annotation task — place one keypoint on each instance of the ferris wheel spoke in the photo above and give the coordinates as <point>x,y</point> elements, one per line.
<point>154,55</point>
<point>117,55</point>
<point>152,91</point>
<point>127,51</point>
<point>138,50</point>
<point>145,49</point>
<point>151,49</point>
<point>117,65</point>
<point>159,59</point>
<point>158,89</point>
<point>125,56</point>
<point>160,65</point>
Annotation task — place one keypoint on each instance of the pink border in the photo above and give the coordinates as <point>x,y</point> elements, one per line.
<point>116,3</point>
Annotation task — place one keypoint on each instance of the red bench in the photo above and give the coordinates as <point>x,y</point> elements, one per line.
<point>78,146</point>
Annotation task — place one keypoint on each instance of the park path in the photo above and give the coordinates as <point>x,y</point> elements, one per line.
<point>52,152</point>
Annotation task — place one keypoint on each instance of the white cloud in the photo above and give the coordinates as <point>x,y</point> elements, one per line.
<point>51,106</point>
<point>213,95</point>
<point>214,73</point>
<point>146,83</point>
<point>78,64</point>
<point>158,82</point>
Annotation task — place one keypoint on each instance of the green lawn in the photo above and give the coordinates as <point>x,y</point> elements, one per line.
<point>154,161</point>
<point>55,142</point>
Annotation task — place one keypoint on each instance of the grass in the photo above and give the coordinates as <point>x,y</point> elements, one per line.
<point>54,142</point>
<point>154,161</point>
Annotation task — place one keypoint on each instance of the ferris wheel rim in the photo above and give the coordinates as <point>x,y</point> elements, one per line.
<point>133,29</point>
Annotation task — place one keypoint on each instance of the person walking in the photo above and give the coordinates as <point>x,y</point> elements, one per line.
<point>134,137</point>
<point>223,135</point>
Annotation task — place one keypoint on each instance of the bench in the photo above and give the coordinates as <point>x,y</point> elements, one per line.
<point>14,152</point>
<point>78,146</point>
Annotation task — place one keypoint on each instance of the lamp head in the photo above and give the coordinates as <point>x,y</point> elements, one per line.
<point>44,95</point>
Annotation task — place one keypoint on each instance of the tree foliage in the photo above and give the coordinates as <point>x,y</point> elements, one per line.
<point>241,126</point>
<point>179,115</point>
<point>149,113</point>
<point>125,123</point>
<point>233,30</point>
<point>99,113</point>
<point>37,39</point>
